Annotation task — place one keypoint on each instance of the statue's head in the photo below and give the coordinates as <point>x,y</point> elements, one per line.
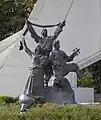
<point>38,49</point>
<point>56,44</point>
<point>44,32</point>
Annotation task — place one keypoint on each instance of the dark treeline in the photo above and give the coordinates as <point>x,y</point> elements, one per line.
<point>93,77</point>
<point>12,15</point>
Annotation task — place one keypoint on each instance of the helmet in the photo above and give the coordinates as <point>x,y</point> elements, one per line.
<point>44,32</point>
<point>55,42</point>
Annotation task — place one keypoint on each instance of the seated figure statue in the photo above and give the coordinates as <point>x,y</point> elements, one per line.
<point>59,59</point>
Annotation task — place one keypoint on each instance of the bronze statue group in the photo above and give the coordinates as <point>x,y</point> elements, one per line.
<point>47,60</point>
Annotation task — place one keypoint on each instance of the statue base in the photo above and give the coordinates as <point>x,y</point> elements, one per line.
<point>62,98</point>
<point>59,93</point>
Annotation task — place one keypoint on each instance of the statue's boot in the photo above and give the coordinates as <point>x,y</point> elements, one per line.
<point>46,85</point>
<point>46,81</point>
<point>80,74</point>
<point>23,108</point>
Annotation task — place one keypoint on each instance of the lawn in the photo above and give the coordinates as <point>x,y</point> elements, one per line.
<point>51,111</point>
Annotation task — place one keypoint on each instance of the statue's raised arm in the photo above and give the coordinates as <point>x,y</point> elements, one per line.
<point>27,50</point>
<point>58,30</point>
<point>33,32</point>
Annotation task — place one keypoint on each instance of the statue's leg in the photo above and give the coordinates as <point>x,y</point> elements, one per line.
<point>58,83</point>
<point>26,99</point>
<point>48,74</point>
<point>34,87</point>
<point>27,89</point>
<point>73,67</point>
<point>48,71</point>
<point>47,78</point>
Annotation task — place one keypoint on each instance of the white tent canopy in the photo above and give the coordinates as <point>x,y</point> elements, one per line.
<point>82,30</point>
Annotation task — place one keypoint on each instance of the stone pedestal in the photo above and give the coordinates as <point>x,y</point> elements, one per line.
<point>84,95</point>
<point>62,97</point>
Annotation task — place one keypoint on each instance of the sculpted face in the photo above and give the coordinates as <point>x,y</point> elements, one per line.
<point>38,49</point>
<point>44,32</point>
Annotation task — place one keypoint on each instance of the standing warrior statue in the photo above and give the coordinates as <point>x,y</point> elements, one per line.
<point>46,43</point>
<point>36,72</point>
<point>35,81</point>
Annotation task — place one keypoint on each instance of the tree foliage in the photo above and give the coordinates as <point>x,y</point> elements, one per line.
<point>93,77</point>
<point>12,15</point>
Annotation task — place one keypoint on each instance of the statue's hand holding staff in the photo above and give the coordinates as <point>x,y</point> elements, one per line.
<point>76,52</point>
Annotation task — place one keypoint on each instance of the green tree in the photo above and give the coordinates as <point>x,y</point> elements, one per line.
<point>12,15</point>
<point>93,77</point>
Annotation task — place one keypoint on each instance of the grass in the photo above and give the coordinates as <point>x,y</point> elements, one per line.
<point>51,111</point>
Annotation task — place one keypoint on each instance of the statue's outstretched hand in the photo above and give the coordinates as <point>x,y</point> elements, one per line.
<point>22,38</point>
<point>28,23</point>
<point>62,24</point>
<point>76,52</point>
<point>21,46</point>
